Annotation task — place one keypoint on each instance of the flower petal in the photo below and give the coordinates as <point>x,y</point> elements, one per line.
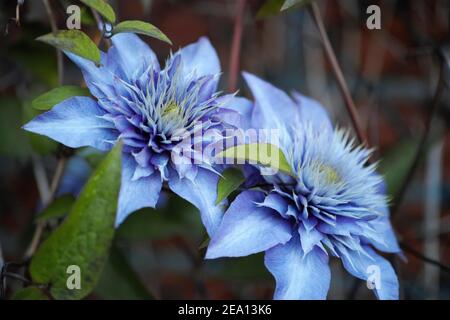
<point>382,236</point>
<point>76,123</point>
<point>372,266</point>
<point>240,105</point>
<point>298,276</point>
<point>201,191</point>
<point>136,194</point>
<point>98,79</point>
<point>312,112</point>
<point>200,57</point>
<point>273,109</point>
<point>247,228</point>
<point>132,54</point>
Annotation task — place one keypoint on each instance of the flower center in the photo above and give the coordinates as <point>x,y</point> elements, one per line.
<point>329,174</point>
<point>172,111</point>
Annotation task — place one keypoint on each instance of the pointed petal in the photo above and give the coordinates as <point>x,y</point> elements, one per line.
<point>273,109</point>
<point>309,239</point>
<point>136,194</point>
<point>312,112</point>
<point>383,236</point>
<point>200,57</point>
<point>132,54</point>
<point>98,79</point>
<point>247,228</point>
<point>240,105</point>
<point>201,191</point>
<point>76,123</point>
<point>373,266</point>
<point>298,276</point>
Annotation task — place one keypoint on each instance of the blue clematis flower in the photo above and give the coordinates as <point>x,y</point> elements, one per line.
<point>152,110</point>
<point>332,205</point>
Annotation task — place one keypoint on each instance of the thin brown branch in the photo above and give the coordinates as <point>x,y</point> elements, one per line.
<point>331,56</point>
<point>424,258</point>
<point>398,198</point>
<point>41,224</point>
<point>236,45</point>
<point>54,26</point>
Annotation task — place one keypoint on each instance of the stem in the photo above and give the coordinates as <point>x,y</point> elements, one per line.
<point>54,26</point>
<point>331,56</point>
<point>16,276</point>
<point>41,224</point>
<point>18,14</point>
<point>236,45</point>
<point>99,22</point>
<point>422,144</point>
<point>40,177</point>
<point>420,256</point>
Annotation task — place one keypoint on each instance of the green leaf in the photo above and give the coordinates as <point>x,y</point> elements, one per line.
<point>396,163</point>
<point>205,243</point>
<point>270,7</point>
<point>290,3</point>
<point>51,98</point>
<point>119,281</point>
<point>30,293</point>
<point>264,154</point>
<point>85,236</point>
<point>103,8</point>
<point>141,27</point>
<point>57,209</point>
<point>230,180</point>
<point>74,41</point>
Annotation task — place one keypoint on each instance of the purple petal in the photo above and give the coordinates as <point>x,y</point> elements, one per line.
<point>247,228</point>
<point>273,109</point>
<point>298,276</point>
<point>313,113</point>
<point>201,58</point>
<point>75,122</point>
<point>240,105</point>
<point>201,191</point>
<point>99,80</point>
<point>138,194</point>
<point>309,239</point>
<point>383,236</point>
<point>132,54</point>
<point>373,267</point>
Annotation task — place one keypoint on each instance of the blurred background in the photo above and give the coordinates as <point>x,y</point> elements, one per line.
<point>399,77</point>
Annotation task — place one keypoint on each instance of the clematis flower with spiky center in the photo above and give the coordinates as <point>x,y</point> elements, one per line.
<point>152,110</point>
<point>333,204</point>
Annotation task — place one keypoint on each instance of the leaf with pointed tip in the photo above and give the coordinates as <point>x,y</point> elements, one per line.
<point>85,236</point>
<point>141,27</point>
<point>230,180</point>
<point>103,8</point>
<point>269,8</point>
<point>264,154</point>
<point>51,98</point>
<point>74,41</point>
<point>57,209</point>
